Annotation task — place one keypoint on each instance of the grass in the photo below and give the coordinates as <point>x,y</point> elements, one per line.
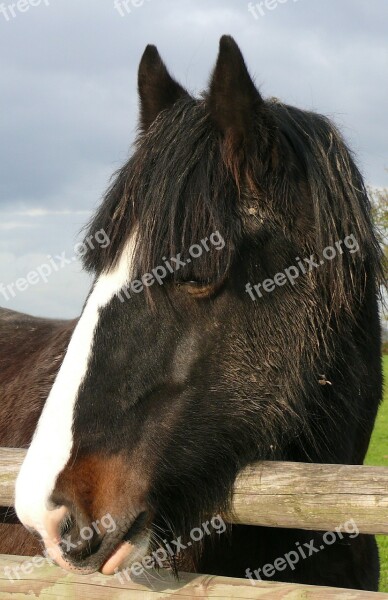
<point>378,455</point>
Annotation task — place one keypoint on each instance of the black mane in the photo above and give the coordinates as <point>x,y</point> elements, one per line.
<point>178,187</point>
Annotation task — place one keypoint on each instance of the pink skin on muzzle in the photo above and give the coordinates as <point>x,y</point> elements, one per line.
<point>49,533</point>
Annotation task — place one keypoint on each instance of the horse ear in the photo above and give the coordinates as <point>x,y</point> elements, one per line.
<point>233,98</point>
<point>157,89</point>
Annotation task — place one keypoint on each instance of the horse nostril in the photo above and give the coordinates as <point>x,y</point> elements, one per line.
<point>66,526</point>
<point>51,526</point>
<point>78,540</point>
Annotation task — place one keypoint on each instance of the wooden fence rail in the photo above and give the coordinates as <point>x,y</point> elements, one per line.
<point>304,496</point>
<point>52,583</point>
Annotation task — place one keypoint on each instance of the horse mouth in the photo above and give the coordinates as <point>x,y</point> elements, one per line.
<point>110,553</point>
<point>133,546</point>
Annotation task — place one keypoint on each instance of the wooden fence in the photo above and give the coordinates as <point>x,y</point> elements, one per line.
<point>303,496</point>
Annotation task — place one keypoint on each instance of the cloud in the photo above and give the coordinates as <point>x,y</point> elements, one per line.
<point>68,91</point>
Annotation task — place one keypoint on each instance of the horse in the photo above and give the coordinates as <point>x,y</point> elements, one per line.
<point>233,318</point>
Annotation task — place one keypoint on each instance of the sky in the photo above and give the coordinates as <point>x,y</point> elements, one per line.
<point>69,108</point>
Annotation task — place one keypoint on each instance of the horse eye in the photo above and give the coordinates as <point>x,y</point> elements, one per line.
<point>193,283</point>
<point>200,289</point>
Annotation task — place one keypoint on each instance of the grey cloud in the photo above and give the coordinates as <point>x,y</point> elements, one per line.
<point>68,101</point>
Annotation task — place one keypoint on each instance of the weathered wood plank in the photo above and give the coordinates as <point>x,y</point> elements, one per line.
<point>52,583</point>
<point>10,463</point>
<point>306,496</point>
<point>312,496</point>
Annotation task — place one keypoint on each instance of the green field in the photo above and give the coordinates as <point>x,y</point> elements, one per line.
<point>378,455</point>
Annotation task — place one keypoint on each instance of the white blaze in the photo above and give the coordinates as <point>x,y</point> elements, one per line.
<point>52,442</point>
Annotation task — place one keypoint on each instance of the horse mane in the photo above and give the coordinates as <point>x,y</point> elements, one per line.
<point>175,190</point>
<point>181,185</point>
